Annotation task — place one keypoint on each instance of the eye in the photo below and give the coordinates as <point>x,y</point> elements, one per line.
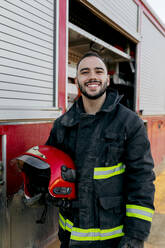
<point>99,71</point>
<point>84,72</point>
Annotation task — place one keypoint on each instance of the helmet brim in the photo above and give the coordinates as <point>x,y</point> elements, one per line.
<point>35,162</point>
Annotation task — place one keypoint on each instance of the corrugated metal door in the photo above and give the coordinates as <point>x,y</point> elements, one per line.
<point>26,53</point>
<point>152,72</point>
<point>123,12</point>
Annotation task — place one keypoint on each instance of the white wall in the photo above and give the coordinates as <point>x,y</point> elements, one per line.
<point>152,69</point>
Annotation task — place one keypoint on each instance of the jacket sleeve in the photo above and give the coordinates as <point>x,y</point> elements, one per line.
<point>139,181</point>
<point>56,136</point>
<point>52,139</point>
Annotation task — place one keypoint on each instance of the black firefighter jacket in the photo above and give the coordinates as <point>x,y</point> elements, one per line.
<point>115,188</point>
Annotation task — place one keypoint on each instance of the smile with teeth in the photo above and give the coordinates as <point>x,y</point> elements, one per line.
<point>93,84</point>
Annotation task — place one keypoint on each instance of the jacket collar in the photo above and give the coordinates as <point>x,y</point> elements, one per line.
<point>72,116</point>
<point>112,99</point>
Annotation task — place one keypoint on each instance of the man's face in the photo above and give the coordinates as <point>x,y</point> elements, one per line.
<point>92,78</point>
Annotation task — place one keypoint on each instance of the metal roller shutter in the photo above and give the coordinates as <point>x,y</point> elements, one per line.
<point>152,73</point>
<point>26,53</point>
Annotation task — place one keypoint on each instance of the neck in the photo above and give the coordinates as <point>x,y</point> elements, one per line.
<point>93,106</point>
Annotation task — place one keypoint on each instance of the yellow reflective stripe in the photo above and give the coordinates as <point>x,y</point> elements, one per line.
<point>140,212</point>
<point>139,216</point>
<point>107,172</point>
<point>62,222</point>
<point>149,210</point>
<point>69,225</point>
<point>61,225</point>
<point>61,217</point>
<point>92,234</point>
<point>65,223</point>
<point>95,234</point>
<point>108,168</point>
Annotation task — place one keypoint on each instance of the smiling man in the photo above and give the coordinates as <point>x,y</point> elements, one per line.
<point>114,167</point>
<point>92,78</point>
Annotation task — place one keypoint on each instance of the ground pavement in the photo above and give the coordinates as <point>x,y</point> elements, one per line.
<point>157,235</point>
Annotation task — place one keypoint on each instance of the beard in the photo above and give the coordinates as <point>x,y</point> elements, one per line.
<point>97,95</point>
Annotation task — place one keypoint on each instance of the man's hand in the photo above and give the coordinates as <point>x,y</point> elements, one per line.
<point>58,202</point>
<point>128,242</point>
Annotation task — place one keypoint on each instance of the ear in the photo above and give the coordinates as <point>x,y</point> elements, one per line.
<point>76,82</point>
<point>108,80</point>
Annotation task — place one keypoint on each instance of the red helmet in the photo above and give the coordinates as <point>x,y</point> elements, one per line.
<point>46,168</point>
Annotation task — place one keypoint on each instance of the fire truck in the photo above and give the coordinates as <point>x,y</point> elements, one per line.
<point>40,44</point>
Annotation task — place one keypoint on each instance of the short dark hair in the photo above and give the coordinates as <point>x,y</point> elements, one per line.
<point>91,54</point>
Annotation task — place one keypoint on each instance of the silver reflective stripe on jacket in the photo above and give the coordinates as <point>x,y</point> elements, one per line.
<point>95,234</point>
<point>139,212</point>
<point>92,234</point>
<point>65,224</point>
<point>107,172</point>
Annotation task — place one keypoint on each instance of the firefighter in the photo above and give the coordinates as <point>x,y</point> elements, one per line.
<point>114,166</point>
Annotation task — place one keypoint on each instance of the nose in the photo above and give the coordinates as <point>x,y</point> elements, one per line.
<point>92,75</point>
